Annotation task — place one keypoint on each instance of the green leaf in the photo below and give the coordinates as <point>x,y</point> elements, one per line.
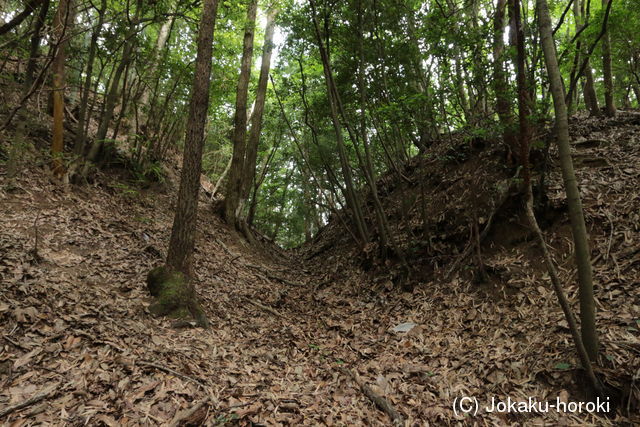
<point>563,366</point>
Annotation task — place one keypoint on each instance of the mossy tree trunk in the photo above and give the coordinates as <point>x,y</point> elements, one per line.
<point>176,278</point>
<point>578,228</point>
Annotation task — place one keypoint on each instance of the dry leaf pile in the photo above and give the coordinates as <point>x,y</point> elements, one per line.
<point>298,336</point>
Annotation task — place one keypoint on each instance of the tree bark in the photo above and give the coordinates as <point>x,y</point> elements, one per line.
<point>258,110</point>
<point>590,97</point>
<point>38,24</point>
<point>578,228</point>
<point>610,106</point>
<point>589,90</point>
<point>112,96</point>
<point>350,193</point>
<point>182,242</point>
<point>61,22</point>
<point>233,195</point>
<point>386,238</point>
<point>161,41</point>
<point>500,83</point>
<point>636,92</point>
<point>84,100</point>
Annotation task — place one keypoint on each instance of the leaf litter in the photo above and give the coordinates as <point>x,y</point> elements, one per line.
<point>79,346</point>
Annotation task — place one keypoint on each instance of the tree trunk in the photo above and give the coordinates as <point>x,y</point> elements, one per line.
<point>590,97</point>
<point>500,83</point>
<point>112,96</point>
<point>233,196</point>
<point>258,110</point>
<point>610,106</point>
<point>386,238</point>
<point>161,41</point>
<point>182,242</point>
<point>38,24</point>
<point>110,102</point>
<point>589,90</point>
<point>521,78</point>
<point>350,193</point>
<point>84,100</point>
<point>61,23</point>
<point>578,228</point>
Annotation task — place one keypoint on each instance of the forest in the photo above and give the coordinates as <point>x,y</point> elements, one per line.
<point>319,212</point>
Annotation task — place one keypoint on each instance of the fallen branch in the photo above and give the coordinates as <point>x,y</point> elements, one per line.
<point>265,308</point>
<point>382,403</point>
<point>33,399</point>
<point>171,371</point>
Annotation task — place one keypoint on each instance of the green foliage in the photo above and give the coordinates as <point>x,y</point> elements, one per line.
<point>427,66</point>
<point>127,190</point>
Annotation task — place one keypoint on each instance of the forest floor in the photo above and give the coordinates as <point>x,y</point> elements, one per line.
<point>287,327</point>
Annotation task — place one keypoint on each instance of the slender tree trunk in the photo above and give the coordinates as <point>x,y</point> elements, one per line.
<point>386,238</point>
<point>233,197</point>
<point>112,96</point>
<point>258,110</point>
<point>589,89</point>
<point>610,107</point>
<point>110,102</point>
<point>578,228</point>
<point>350,193</point>
<point>127,88</point>
<point>34,50</point>
<point>500,83</point>
<point>84,100</point>
<point>590,97</point>
<point>61,23</point>
<point>182,242</point>
<point>521,77</point>
<point>161,41</point>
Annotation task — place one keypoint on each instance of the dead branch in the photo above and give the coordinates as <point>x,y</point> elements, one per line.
<point>171,371</point>
<point>382,403</point>
<point>265,308</point>
<point>30,401</point>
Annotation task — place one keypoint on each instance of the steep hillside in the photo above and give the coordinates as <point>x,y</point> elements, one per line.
<point>506,334</point>
<point>289,328</point>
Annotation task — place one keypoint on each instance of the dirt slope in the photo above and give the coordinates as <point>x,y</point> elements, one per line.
<point>74,324</point>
